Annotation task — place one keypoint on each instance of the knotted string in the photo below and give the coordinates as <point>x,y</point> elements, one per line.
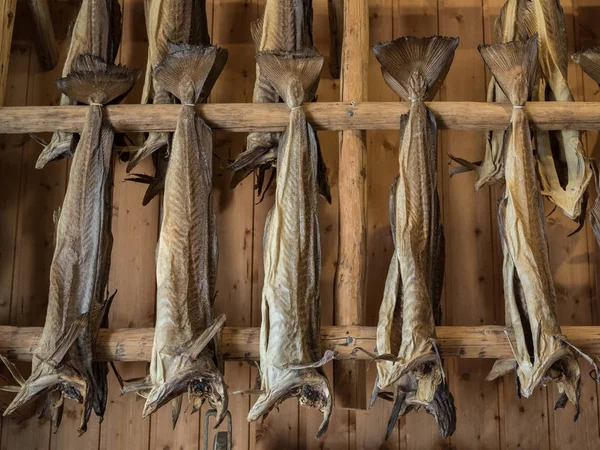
<point>96,104</point>
<point>518,106</point>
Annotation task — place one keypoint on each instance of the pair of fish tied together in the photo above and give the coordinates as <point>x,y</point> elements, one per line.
<point>290,347</point>
<point>541,353</point>
<point>185,353</point>
<point>409,368</point>
<point>63,364</point>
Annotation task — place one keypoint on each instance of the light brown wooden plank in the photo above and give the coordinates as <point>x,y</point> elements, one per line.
<point>468,229</point>
<point>333,116</point>
<point>8,9</point>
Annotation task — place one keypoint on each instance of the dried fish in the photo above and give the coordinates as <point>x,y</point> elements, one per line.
<point>286,27</point>
<point>185,355</point>
<point>180,21</point>
<point>290,346</point>
<point>564,170</point>
<point>589,60</point>
<point>62,364</point>
<point>97,32</point>
<point>542,353</point>
<point>336,36</point>
<point>415,68</point>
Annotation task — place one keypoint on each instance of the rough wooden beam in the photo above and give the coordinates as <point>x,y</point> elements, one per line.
<point>336,116</point>
<point>7,23</point>
<point>350,276</point>
<point>135,344</point>
<point>45,41</point>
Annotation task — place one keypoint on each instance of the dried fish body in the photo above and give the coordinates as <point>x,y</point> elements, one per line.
<point>564,170</point>
<point>185,355</point>
<point>97,32</point>
<point>290,353</point>
<point>589,60</point>
<point>180,21</point>
<point>286,27</point>
<point>62,363</point>
<point>542,353</point>
<point>415,69</point>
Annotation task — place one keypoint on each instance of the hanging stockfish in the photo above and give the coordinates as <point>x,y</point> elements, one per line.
<point>286,27</point>
<point>415,69</point>
<point>589,61</point>
<point>542,354</point>
<point>62,363</point>
<point>564,170</point>
<point>97,32</point>
<point>290,345</point>
<point>185,355</point>
<point>179,21</point>
<point>508,27</point>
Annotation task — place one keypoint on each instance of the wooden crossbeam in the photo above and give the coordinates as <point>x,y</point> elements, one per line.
<point>131,344</point>
<point>337,116</point>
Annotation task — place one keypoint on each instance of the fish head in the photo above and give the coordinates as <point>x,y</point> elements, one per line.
<point>212,389</point>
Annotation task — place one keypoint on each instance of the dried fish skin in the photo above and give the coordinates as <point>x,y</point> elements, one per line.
<point>97,32</point>
<point>415,68</point>
<point>63,361</point>
<point>286,27</point>
<point>290,348</point>
<point>542,354</point>
<point>563,168</point>
<point>185,355</point>
<point>589,61</point>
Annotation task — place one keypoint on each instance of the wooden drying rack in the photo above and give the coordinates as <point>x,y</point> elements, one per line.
<point>353,115</point>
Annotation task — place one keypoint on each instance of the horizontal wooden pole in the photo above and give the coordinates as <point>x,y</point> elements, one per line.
<point>337,116</point>
<point>129,344</point>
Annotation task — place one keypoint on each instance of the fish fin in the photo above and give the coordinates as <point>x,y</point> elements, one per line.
<point>514,66</point>
<point>156,185</point>
<point>215,72</point>
<point>175,410</point>
<point>154,143</point>
<point>204,339</point>
<point>589,61</point>
<point>310,386</point>
<point>295,77</point>
<point>185,70</point>
<point>256,30</point>
<point>14,371</point>
<point>501,367</point>
<point>329,355</point>
<point>399,397</point>
<point>61,145</point>
<point>431,57</point>
<point>322,178</point>
<point>94,81</point>
<point>66,341</point>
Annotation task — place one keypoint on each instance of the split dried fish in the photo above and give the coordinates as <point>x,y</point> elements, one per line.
<point>62,363</point>
<point>589,61</point>
<point>179,21</point>
<point>185,355</point>
<point>290,345</point>
<point>542,353</point>
<point>286,27</point>
<point>97,32</point>
<point>336,36</point>
<point>564,170</point>
<point>415,68</point>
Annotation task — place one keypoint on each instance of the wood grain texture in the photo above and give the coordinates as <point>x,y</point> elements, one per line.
<point>45,41</point>
<point>8,9</point>
<point>333,116</point>
<point>350,277</point>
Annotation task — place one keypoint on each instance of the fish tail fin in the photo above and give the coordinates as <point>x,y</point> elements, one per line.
<point>589,61</point>
<point>310,386</point>
<point>295,77</point>
<point>95,81</point>
<point>185,70</point>
<point>514,67</point>
<point>402,58</point>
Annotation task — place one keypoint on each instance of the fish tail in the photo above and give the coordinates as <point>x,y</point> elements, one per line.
<point>295,77</point>
<point>589,61</point>
<point>187,68</point>
<point>310,386</point>
<point>404,57</point>
<point>514,66</point>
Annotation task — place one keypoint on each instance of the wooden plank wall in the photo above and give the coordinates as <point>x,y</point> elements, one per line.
<point>489,414</point>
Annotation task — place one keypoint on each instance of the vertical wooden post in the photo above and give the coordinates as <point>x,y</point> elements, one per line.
<point>45,41</point>
<point>349,302</point>
<point>7,22</point>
